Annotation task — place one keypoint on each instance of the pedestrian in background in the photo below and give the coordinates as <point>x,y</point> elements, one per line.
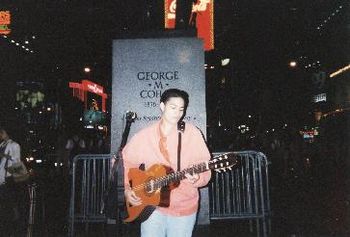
<point>12,195</point>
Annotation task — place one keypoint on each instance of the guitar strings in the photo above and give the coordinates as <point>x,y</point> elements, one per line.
<point>181,174</point>
<point>195,168</point>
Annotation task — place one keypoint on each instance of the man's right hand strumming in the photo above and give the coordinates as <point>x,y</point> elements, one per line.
<point>131,197</point>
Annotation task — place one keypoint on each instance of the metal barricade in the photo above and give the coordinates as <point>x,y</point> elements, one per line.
<point>243,193</point>
<point>32,208</point>
<point>89,182</point>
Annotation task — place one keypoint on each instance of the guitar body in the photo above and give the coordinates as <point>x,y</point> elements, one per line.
<point>150,197</point>
<point>153,186</point>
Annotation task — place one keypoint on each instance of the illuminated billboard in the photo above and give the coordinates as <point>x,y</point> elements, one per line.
<point>5,21</point>
<point>29,95</point>
<point>203,10</point>
<point>80,90</point>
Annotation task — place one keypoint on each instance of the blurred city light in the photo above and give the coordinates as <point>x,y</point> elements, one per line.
<point>225,61</point>
<point>292,63</point>
<point>340,71</point>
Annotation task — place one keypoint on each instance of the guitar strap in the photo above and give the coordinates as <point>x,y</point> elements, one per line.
<point>180,129</point>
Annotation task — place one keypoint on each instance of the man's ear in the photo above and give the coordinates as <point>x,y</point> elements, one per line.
<point>162,106</point>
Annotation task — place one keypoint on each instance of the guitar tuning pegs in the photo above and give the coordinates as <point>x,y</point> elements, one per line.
<point>229,168</point>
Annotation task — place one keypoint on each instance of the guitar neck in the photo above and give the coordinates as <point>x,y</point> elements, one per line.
<point>180,175</point>
<point>219,163</point>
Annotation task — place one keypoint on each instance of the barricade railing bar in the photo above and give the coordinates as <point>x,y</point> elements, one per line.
<point>31,188</point>
<point>89,182</point>
<point>243,193</point>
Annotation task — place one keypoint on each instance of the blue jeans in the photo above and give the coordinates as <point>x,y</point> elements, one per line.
<point>161,225</point>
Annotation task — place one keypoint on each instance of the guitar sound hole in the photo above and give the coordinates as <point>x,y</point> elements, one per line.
<point>149,188</point>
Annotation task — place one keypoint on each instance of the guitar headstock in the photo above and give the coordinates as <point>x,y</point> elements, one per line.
<point>223,162</point>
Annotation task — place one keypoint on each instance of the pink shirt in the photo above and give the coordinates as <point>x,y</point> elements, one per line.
<point>144,148</point>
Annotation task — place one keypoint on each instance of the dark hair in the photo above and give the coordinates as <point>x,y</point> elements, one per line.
<point>167,94</point>
<point>5,127</point>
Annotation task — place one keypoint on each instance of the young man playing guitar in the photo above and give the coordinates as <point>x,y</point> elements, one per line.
<point>158,144</point>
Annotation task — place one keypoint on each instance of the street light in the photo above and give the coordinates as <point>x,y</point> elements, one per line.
<point>292,63</point>
<point>87,69</point>
<point>225,61</point>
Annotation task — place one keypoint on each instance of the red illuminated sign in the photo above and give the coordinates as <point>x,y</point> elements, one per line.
<point>5,21</point>
<point>92,87</point>
<point>80,90</point>
<point>204,10</point>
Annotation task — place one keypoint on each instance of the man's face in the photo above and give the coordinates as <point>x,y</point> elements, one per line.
<point>173,110</point>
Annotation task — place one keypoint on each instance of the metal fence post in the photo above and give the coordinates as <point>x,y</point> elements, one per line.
<point>243,193</point>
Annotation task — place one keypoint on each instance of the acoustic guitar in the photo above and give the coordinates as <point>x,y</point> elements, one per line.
<point>154,185</point>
